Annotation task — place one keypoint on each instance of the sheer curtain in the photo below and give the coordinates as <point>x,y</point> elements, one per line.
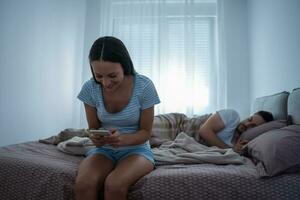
<point>174,43</point>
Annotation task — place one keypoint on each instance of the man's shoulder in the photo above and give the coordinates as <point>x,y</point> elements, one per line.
<point>228,111</point>
<point>229,115</point>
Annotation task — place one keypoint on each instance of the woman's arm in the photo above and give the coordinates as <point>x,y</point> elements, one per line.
<point>91,117</point>
<point>141,136</point>
<point>94,123</point>
<point>209,131</point>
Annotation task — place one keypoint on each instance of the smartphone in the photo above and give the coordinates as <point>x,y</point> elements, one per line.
<point>101,132</point>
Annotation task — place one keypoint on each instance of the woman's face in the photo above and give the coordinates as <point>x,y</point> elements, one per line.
<point>109,74</point>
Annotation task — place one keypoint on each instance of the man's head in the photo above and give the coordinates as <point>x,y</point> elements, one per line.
<point>256,119</point>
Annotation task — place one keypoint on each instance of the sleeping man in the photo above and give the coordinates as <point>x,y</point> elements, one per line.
<point>223,128</point>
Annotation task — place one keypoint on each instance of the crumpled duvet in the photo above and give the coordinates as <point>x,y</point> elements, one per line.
<point>186,150</point>
<point>183,150</point>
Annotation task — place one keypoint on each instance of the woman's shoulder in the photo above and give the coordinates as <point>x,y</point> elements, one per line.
<point>142,80</point>
<point>142,77</point>
<point>90,84</point>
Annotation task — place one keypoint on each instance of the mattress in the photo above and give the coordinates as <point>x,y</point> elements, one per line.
<point>209,181</point>
<point>38,171</point>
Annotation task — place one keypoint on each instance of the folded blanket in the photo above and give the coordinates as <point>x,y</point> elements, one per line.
<point>76,145</point>
<point>65,135</point>
<point>186,150</point>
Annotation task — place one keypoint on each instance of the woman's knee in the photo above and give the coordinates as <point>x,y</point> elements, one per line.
<point>115,185</point>
<point>83,186</point>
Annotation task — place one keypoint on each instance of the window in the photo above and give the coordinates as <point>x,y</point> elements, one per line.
<point>173,42</point>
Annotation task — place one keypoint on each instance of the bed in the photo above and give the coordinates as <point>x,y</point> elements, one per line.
<point>35,171</point>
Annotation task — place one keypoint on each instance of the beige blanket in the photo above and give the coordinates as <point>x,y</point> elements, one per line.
<point>186,150</point>
<point>183,150</point>
<point>65,135</point>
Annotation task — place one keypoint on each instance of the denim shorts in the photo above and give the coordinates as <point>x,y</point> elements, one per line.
<point>116,155</point>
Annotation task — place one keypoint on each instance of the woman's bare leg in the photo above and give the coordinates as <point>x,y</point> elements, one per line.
<point>126,173</point>
<point>91,175</point>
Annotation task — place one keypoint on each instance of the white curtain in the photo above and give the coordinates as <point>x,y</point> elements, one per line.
<point>175,43</point>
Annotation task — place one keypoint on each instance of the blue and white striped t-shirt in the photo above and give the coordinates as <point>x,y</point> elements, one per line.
<point>128,119</point>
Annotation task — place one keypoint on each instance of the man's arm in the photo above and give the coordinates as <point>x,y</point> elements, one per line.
<point>238,147</point>
<point>209,130</point>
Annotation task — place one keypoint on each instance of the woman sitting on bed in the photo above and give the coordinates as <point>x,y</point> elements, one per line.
<point>223,128</point>
<point>122,101</point>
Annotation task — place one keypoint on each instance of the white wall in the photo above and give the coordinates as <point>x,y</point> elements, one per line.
<point>41,47</point>
<point>92,32</point>
<point>274,37</point>
<point>236,47</point>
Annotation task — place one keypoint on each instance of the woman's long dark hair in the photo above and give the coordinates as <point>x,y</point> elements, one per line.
<point>113,50</point>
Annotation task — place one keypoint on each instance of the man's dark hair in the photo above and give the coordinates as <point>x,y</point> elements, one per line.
<point>267,116</point>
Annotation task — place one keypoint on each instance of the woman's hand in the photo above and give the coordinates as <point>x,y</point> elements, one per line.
<point>98,140</point>
<point>115,139</point>
<point>238,147</point>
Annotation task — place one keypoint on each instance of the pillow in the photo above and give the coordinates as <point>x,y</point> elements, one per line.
<point>166,127</point>
<point>276,104</point>
<point>276,151</point>
<point>294,106</point>
<point>252,133</point>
